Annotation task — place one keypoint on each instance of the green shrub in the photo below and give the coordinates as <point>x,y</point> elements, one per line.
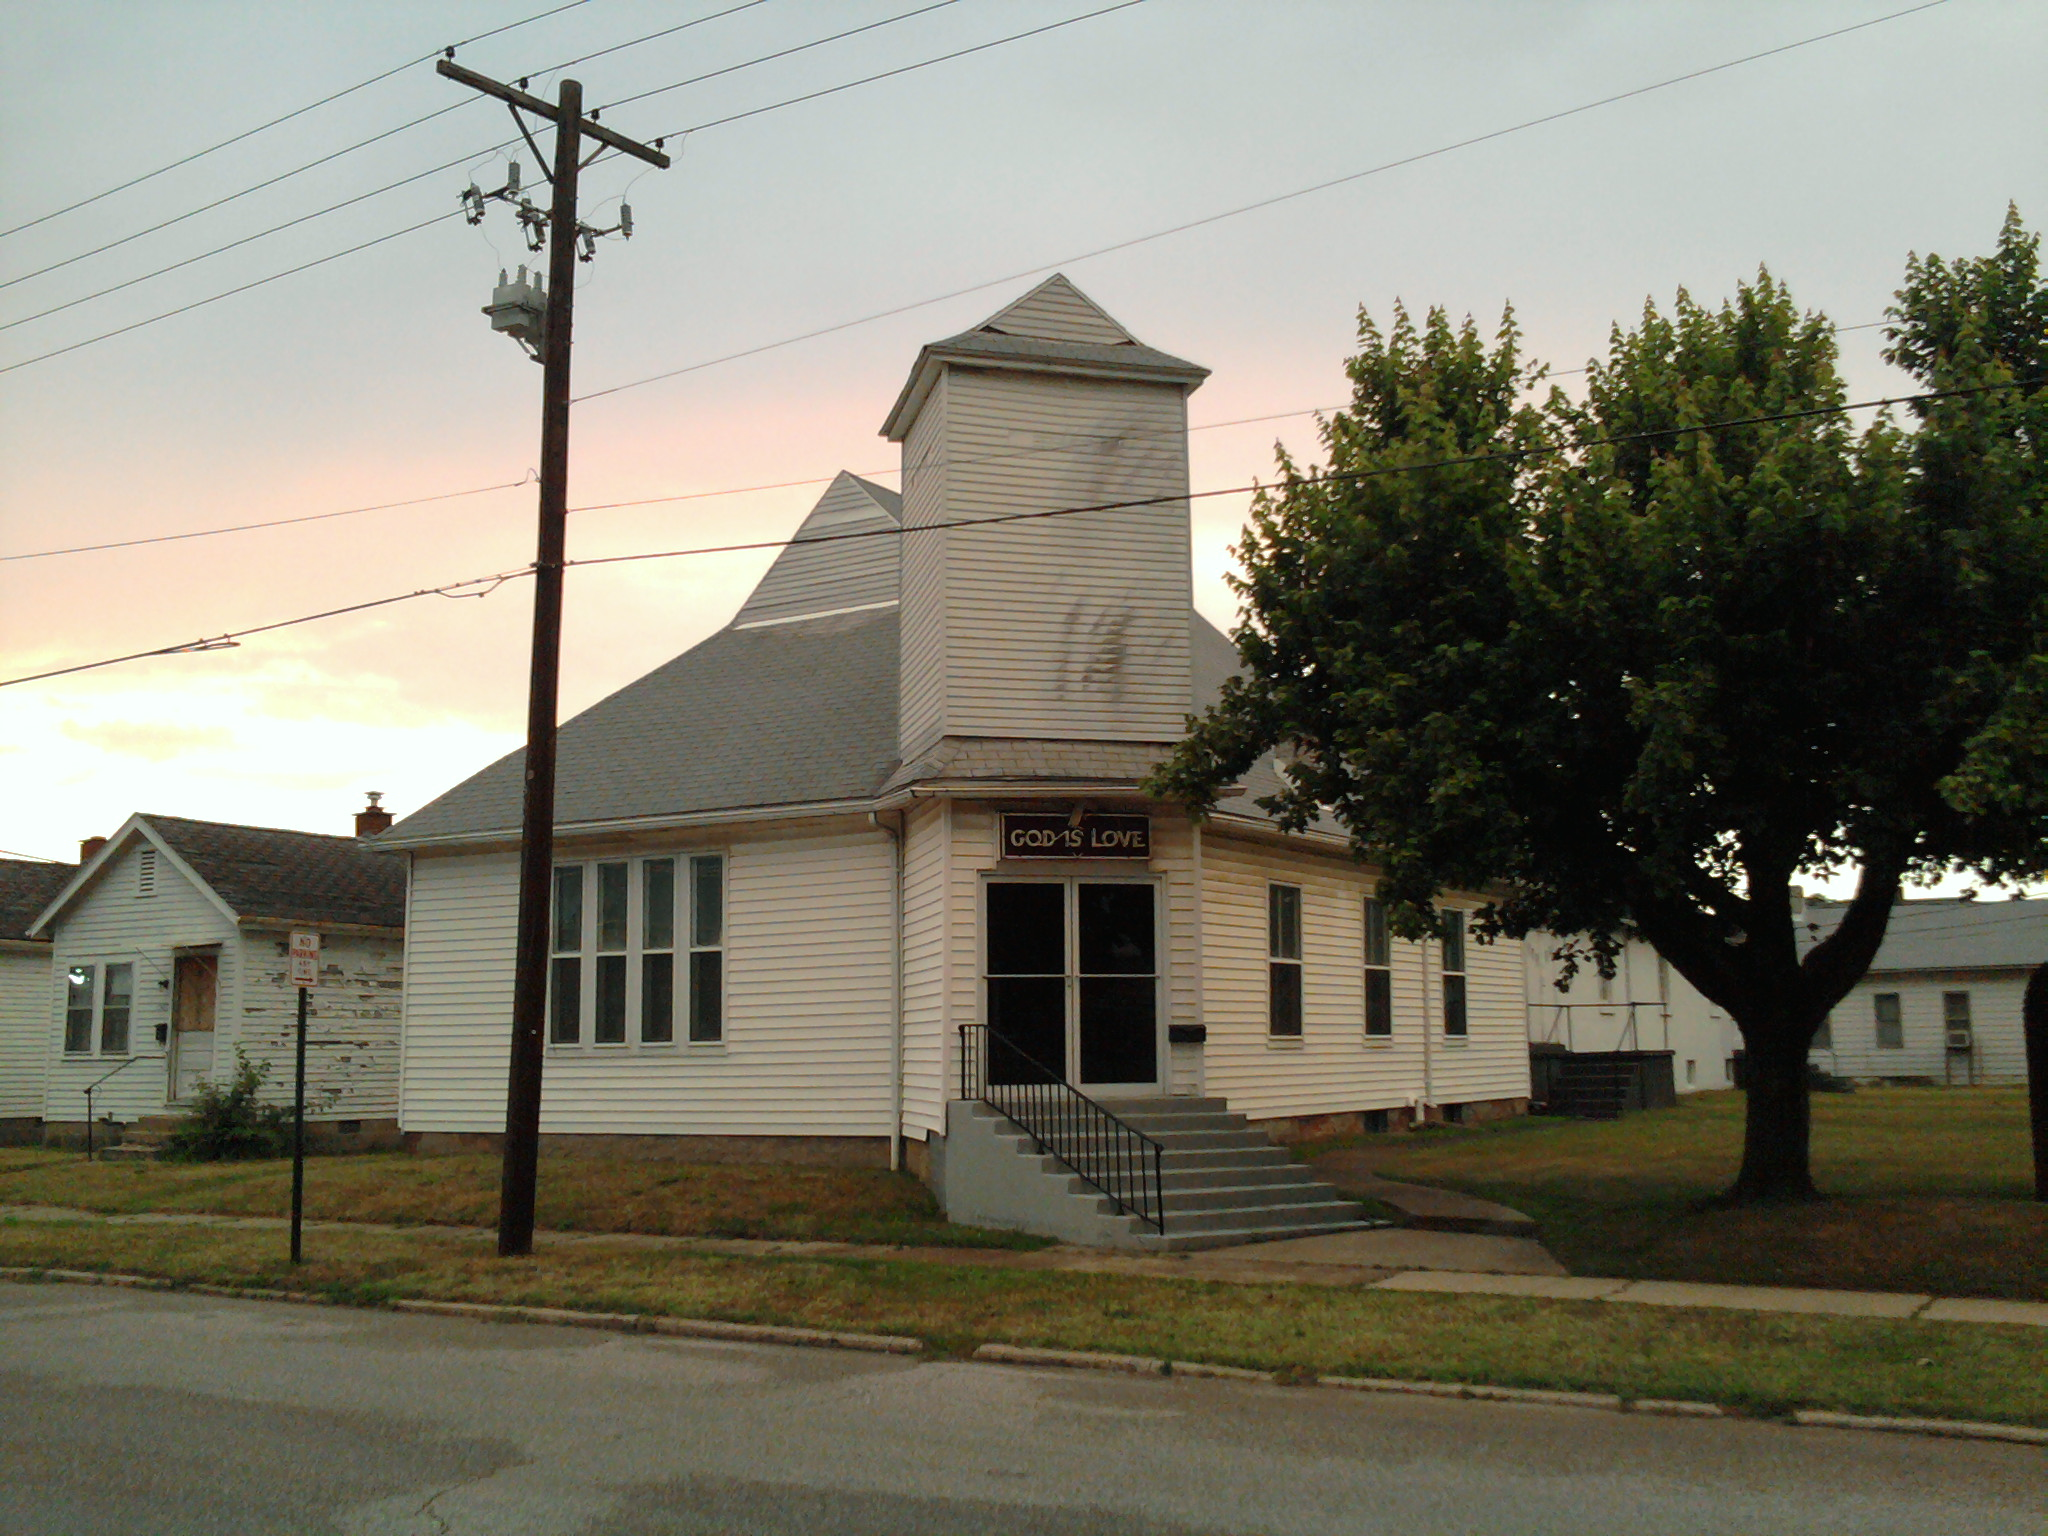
<point>228,1122</point>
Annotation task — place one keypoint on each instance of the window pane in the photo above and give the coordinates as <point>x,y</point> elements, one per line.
<point>707,901</point>
<point>1027,1018</point>
<point>1027,930</point>
<point>1115,935</point>
<point>1454,947</point>
<point>707,999</point>
<point>565,1001</point>
<point>609,1025</point>
<point>1283,922</point>
<point>78,1009</point>
<point>658,904</point>
<point>118,999</point>
<point>1454,1005</point>
<point>1378,949</point>
<point>611,907</point>
<point>568,909</point>
<point>1283,997</point>
<point>1891,1029</point>
<point>1824,1037</point>
<point>1955,1009</point>
<point>1379,1002</point>
<point>1119,1029</point>
<point>657,999</point>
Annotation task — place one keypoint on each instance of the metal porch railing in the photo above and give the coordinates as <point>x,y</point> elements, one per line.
<point>93,1087</point>
<point>1113,1157</point>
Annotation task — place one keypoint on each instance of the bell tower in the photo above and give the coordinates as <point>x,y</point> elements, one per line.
<point>1023,618</point>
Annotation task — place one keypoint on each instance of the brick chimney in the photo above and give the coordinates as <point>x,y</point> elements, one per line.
<point>88,846</point>
<point>372,818</point>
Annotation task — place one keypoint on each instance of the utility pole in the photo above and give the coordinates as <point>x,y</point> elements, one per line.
<point>537,828</point>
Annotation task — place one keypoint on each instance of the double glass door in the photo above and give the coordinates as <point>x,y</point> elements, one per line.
<point>1073,981</point>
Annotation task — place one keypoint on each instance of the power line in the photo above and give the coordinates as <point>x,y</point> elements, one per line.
<point>304,266</point>
<point>136,181</point>
<point>1518,455</point>
<point>1231,213</point>
<point>422,175</point>
<point>889,74</point>
<point>275,522</point>
<point>735,490</point>
<point>33,858</point>
<point>323,160</point>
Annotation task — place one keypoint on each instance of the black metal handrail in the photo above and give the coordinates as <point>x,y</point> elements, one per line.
<point>1112,1156</point>
<point>93,1087</point>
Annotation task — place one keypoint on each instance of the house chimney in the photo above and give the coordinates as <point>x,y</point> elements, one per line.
<point>88,846</point>
<point>372,818</point>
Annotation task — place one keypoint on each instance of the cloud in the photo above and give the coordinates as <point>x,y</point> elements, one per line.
<point>151,741</point>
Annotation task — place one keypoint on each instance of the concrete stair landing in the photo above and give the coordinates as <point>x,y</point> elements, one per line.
<point>1223,1182</point>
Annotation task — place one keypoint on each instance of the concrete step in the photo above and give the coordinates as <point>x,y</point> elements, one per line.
<point>1214,1141</point>
<point>1158,1125</point>
<point>1182,1240</point>
<point>1236,1174</point>
<point>1230,1218</point>
<point>1240,1197</point>
<point>1172,1159</point>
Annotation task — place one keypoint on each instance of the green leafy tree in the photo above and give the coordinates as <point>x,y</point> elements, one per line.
<point>1631,663</point>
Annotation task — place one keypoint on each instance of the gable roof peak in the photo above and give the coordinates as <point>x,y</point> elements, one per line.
<point>1058,311</point>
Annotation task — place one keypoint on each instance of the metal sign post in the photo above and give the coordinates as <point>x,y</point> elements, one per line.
<point>305,972</point>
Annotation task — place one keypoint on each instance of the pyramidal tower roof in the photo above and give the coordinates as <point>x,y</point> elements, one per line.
<point>1055,328</point>
<point>842,560</point>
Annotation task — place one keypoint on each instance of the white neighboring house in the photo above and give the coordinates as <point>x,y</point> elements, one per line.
<point>1941,1002</point>
<point>168,947</point>
<point>898,798</point>
<point>25,889</point>
<point>1645,1006</point>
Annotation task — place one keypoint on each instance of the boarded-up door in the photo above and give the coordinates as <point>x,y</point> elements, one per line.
<point>194,989</point>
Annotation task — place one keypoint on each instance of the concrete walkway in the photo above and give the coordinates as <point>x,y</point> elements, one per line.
<point>1386,1258</point>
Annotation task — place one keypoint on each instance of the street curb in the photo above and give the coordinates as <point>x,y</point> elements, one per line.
<point>681,1327</point>
<point>1950,1429</point>
<point>1028,1355</point>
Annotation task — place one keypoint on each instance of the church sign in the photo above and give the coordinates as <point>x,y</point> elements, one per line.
<point>1092,836</point>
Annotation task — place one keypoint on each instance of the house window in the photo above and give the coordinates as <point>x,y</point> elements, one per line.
<point>1454,975</point>
<point>1283,961</point>
<point>1891,1027</point>
<point>1955,1011</point>
<point>615,951</point>
<point>1379,971</point>
<point>1663,981</point>
<point>98,999</point>
<point>78,989</point>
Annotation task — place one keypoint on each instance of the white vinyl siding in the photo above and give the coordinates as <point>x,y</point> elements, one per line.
<point>1669,1013</point>
<point>113,922</point>
<point>1069,627</point>
<point>1998,1048</point>
<point>809,989</point>
<point>352,1028</point>
<point>926,1050</point>
<point>24,1027</point>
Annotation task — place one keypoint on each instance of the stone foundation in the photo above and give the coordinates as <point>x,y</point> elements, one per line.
<point>796,1151</point>
<point>1287,1129</point>
<point>20,1131</point>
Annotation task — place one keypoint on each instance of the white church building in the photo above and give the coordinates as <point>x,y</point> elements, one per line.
<point>836,882</point>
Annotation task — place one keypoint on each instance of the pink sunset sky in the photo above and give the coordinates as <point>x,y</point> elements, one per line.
<point>374,378</point>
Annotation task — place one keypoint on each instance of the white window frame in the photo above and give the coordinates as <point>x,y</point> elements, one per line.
<point>1879,1023</point>
<point>99,978</point>
<point>685,1028</point>
<point>1383,968</point>
<point>1275,959</point>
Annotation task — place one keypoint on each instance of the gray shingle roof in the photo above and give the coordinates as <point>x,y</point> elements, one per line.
<point>1947,934</point>
<point>25,889</point>
<point>300,877</point>
<point>790,714</point>
<point>844,556</point>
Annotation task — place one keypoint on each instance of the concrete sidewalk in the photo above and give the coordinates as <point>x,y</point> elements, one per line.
<point>1387,1258</point>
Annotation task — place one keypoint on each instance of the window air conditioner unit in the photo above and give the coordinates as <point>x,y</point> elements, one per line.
<point>1959,1038</point>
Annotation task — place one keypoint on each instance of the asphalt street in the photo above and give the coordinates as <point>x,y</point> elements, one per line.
<point>130,1411</point>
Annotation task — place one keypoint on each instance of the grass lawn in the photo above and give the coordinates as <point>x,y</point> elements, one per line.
<point>1756,1362</point>
<point>577,1194</point>
<point>1929,1189</point>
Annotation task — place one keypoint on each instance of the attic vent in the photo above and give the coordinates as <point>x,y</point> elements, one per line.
<point>145,872</point>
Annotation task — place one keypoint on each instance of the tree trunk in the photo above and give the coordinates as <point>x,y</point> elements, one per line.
<point>1777,1131</point>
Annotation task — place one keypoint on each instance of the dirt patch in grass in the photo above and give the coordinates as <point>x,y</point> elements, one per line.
<point>1928,1191</point>
<point>1756,1362</point>
<point>576,1194</point>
